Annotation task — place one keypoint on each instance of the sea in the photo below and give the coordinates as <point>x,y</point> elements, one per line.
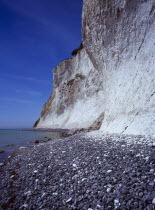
<point>12,140</point>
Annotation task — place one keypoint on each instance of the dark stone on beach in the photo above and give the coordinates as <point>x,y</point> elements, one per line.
<point>36,141</point>
<point>10,145</point>
<point>2,151</point>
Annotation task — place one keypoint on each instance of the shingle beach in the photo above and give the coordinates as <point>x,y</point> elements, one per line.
<point>87,171</point>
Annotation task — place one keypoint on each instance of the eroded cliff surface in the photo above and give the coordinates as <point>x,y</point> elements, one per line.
<point>111,82</point>
<point>75,101</point>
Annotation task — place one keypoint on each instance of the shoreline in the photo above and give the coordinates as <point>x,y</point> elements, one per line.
<point>8,149</point>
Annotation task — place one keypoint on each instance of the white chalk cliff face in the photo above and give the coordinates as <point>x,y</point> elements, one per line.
<point>110,83</point>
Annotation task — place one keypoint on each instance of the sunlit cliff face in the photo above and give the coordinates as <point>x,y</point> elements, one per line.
<point>112,80</point>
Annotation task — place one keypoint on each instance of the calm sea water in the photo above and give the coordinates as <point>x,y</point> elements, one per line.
<point>12,140</point>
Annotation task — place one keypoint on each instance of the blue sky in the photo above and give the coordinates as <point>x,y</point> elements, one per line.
<point>35,35</point>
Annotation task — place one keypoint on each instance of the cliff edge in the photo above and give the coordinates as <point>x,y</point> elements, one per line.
<point>110,83</point>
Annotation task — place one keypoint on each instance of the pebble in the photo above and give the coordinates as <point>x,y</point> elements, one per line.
<point>146,158</point>
<point>22,148</point>
<point>153,145</point>
<point>55,193</point>
<point>109,171</point>
<point>136,204</point>
<point>43,194</point>
<point>138,155</point>
<point>84,179</point>
<point>67,201</point>
<point>108,190</point>
<point>116,203</point>
<point>28,193</point>
<point>140,194</point>
<point>24,205</point>
<point>152,184</point>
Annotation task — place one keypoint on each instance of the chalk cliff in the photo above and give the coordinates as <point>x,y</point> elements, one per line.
<point>110,83</point>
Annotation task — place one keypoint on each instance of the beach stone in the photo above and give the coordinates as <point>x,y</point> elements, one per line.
<point>108,190</point>
<point>136,205</point>
<point>2,151</point>
<point>153,201</point>
<point>153,145</point>
<point>36,141</point>
<point>109,171</point>
<point>152,184</point>
<point>80,205</point>
<point>140,194</point>
<point>69,200</point>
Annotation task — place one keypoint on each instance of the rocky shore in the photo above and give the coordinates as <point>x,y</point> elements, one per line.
<point>85,171</point>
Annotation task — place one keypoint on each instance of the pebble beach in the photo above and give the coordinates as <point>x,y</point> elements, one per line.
<point>86,171</point>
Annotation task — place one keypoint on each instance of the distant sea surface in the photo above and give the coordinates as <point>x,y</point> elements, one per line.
<point>13,140</point>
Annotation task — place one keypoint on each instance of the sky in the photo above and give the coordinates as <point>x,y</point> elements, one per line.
<point>35,36</point>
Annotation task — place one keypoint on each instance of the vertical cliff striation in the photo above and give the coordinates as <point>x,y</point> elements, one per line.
<point>110,83</point>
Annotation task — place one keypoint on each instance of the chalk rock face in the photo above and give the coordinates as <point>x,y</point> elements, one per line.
<point>76,99</point>
<point>110,84</point>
